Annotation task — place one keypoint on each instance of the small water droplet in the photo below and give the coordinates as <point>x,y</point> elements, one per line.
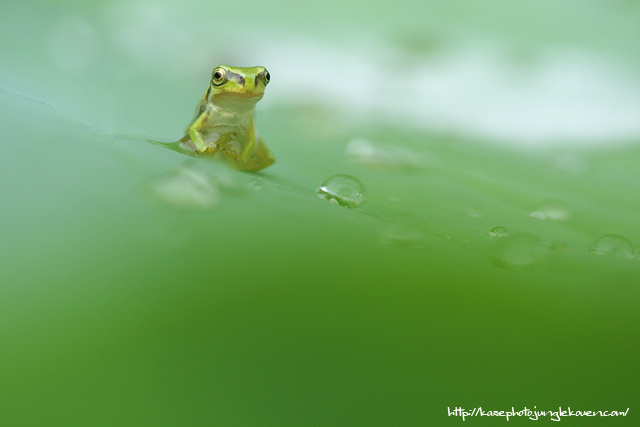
<point>613,245</point>
<point>519,251</point>
<point>554,211</point>
<point>402,235</point>
<point>499,232</point>
<point>474,213</point>
<point>344,190</point>
<point>538,214</point>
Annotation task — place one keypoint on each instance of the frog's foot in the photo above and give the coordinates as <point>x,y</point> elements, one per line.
<point>232,155</point>
<point>260,159</point>
<point>186,144</point>
<point>210,150</point>
<point>234,158</point>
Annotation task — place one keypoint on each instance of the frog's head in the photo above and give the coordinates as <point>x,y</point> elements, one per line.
<point>238,84</point>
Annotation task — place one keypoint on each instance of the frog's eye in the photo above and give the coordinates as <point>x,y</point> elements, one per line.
<point>218,76</point>
<point>267,77</point>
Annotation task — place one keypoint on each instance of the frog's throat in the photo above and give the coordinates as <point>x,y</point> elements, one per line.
<point>247,95</point>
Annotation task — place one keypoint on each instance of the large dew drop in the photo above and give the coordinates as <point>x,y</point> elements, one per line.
<point>614,245</point>
<point>344,190</point>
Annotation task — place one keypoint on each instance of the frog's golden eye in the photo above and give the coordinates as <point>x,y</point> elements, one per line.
<point>267,77</point>
<point>218,76</point>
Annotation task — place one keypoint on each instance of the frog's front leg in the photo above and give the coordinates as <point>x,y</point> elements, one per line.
<point>198,141</point>
<point>196,136</point>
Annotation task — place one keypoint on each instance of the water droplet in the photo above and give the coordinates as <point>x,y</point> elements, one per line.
<point>519,251</point>
<point>402,235</point>
<point>554,211</point>
<point>187,188</point>
<point>614,245</point>
<point>474,213</point>
<point>499,232</point>
<point>538,214</point>
<point>344,190</point>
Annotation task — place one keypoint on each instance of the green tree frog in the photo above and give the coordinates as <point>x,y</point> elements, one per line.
<point>225,118</point>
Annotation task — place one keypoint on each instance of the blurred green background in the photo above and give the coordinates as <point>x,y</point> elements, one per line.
<point>141,287</point>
